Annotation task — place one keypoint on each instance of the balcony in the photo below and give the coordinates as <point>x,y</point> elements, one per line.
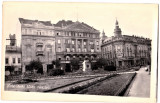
<point>11,48</point>
<point>39,53</point>
<point>81,53</point>
<point>39,44</point>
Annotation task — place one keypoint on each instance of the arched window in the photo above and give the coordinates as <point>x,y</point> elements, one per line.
<point>67,58</point>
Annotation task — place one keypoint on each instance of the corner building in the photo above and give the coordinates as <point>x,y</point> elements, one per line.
<point>76,40</point>
<point>125,51</point>
<point>38,43</point>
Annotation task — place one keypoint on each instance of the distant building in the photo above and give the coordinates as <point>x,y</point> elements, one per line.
<point>76,40</point>
<point>125,51</point>
<point>12,57</point>
<point>38,43</point>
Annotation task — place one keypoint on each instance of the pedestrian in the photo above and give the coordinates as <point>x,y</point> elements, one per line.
<point>149,69</point>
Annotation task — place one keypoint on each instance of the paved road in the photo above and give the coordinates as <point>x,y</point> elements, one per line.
<point>140,87</point>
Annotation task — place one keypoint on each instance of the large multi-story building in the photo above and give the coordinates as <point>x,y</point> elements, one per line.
<point>12,57</point>
<point>38,42</point>
<point>76,40</point>
<point>123,50</point>
<point>63,41</point>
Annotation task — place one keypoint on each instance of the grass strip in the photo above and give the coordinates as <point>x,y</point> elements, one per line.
<point>109,86</point>
<point>67,85</point>
<point>123,89</point>
<point>87,84</point>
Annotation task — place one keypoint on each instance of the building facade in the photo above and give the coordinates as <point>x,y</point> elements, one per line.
<point>76,40</point>
<point>125,51</point>
<point>12,57</point>
<point>38,43</point>
<point>63,41</point>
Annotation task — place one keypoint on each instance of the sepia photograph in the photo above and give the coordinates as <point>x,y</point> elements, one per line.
<point>102,50</point>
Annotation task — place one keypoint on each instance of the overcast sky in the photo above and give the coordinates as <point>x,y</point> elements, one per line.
<point>134,19</point>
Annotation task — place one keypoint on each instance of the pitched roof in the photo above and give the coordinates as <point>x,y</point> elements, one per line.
<point>80,27</point>
<point>27,21</point>
<point>63,23</point>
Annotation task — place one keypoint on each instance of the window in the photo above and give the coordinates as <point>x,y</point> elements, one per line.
<point>73,50</point>
<point>66,41</point>
<point>79,49</point>
<point>72,41</point>
<point>93,36</point>
<point>39,32</point>
<point>67,58</point>
<point>49,48</point>
<point>87,66</point>
<point>59,41</point>
<point>92,50</point>
<point>19,60</point>
<point>57,33</point>
<point>6,60</point>
<point>59,49</point>
<point>39,48</point>
<point>91,42</point>
<point>80,34</point>
<point>80,58</point>
<point>14,60</point>
<point>97,43</point>
<point>85,50</point>
<point>92,57</point>
<point>25,31</point>
<point>68,49</point>
<point>69,33</point>
<point>78,42</point>
<point>59,58</point>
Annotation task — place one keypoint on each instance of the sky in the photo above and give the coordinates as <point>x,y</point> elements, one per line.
<point>134,19</point>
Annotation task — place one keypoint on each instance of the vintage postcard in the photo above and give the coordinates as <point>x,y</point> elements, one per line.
<point>74,51</point>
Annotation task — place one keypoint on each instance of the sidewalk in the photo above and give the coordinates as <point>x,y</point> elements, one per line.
<point>140,87</point>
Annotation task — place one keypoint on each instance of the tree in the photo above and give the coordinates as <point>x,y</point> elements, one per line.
<point>94,66</point>
<point>75,64</point>
<point>100,62</point>
<point>36,65</point>
<point>11,69</point>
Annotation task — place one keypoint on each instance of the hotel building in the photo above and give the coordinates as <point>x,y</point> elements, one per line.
<point>124,50</point>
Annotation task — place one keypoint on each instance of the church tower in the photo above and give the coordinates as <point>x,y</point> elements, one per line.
<point>103,36</point>
<point>117,30</point>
